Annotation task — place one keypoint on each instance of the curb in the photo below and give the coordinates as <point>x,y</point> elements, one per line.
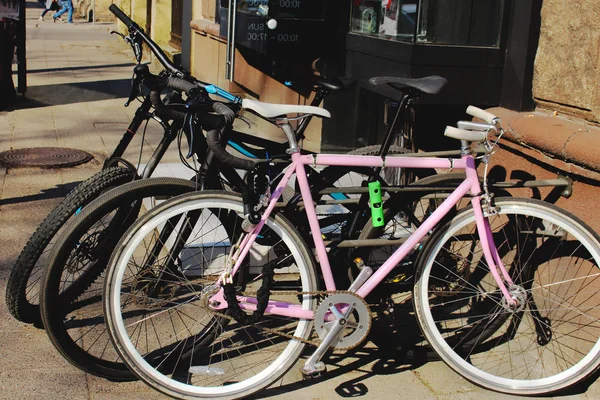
<point>568,139</point>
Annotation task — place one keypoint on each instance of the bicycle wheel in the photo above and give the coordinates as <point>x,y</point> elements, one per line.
<point>22,290</point>
<point>157,292</point>
<point>393,326</point>
<point>74,322</point>
<point>548,343</point>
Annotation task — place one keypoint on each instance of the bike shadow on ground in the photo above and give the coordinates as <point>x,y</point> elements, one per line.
<point>368,362</point>
<point>72,93</point>
<point>56,192</point>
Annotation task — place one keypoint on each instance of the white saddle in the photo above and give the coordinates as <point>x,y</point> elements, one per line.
<point>269,110</point>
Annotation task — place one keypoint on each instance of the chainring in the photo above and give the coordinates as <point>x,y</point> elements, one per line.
<point>356,327</point>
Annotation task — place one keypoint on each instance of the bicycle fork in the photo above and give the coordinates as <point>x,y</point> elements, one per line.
<point>492,257</point>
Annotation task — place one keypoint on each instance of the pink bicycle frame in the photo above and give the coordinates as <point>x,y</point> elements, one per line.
<point>470,184</point>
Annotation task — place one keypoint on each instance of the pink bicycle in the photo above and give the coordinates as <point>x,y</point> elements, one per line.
<point>507,293</point>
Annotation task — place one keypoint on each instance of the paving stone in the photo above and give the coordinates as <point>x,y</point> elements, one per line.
<point>593,390</point>
<point>102,389</point>
<point>579,396</point>
<point>442,380</point>
<point>365,374</point>
<point>43,385</point>
<point>484,394</point>
<point>28,349</point>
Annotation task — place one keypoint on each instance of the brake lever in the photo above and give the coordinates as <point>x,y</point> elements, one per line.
<point>192,105</point>
<point>134,91</point>
<point>246,120</point>
<point>118,33</point>
<point>137,50</point>
<point>139,71</point>
<point>131,40</point>
<point>190,133</point>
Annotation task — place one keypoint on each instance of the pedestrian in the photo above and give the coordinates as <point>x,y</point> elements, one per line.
<point>67,5</point>
<point>8,30</point>
<point>51,5</point>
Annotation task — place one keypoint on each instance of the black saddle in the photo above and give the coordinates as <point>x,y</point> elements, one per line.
<point>335,85</point>
<point>429,84</point>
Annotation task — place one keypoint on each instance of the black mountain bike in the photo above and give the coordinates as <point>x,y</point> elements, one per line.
<point>22,292</point>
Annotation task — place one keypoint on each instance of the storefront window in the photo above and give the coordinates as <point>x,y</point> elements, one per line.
<point>390,19</point>
<point>437,22</point>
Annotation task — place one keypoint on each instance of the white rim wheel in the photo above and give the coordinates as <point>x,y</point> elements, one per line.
<point>167,336</point>
<point>550,345</point>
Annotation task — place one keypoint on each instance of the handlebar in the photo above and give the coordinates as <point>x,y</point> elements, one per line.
<point>215,124</point>
<point>208,121</point>
<point>215,142</point>
<point>135,28</point>
<point>135,32</point>
<point>464,134</point>
<point>482,114</point>
<point>470,131</point>
<point>124,18</point>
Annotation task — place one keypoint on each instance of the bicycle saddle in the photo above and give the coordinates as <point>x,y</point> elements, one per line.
<point>269,110</point>
<point>335,85</point>
<point>429,84</point>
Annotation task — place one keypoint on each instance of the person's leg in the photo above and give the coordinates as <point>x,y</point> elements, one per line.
<point>70,7</point>
<point>7,87</point>
<point>63,9</point>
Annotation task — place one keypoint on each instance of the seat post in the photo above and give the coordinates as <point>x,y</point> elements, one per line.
<point>319,97</point>
<point>390,136</point>
<point>285,126</point>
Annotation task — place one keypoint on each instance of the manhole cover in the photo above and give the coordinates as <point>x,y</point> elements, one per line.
<point>43,157</point>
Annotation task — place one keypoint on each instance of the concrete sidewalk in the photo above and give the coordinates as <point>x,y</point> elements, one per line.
<point>79,78</point>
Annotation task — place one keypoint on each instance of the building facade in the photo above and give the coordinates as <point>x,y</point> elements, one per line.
<point>513,54</point>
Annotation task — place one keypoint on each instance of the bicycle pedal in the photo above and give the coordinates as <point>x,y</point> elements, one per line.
<point>313,373</point>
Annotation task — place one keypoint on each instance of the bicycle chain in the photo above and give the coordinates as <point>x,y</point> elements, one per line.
<point>282,334</point>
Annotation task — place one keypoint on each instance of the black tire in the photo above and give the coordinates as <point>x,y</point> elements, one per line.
<point>75,324</point>
<point>22,290</point>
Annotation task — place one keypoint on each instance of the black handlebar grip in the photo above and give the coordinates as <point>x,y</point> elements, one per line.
<point>213,139</point>
<point>162,110</point>
<point>225,111</point>
<point>181,85</point>
<point>121,15</point>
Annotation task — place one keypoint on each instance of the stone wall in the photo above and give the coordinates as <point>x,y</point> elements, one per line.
<point>517,163</point>
<point>542,145</point>
<point>567,65</point>
<point>161,22</point>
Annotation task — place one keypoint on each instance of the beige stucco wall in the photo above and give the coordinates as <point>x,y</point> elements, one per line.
<point>197,9</point>
<point>161,22</point>
<point>138,12</point>
<point>567,64</point>
<point>83,8</point>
